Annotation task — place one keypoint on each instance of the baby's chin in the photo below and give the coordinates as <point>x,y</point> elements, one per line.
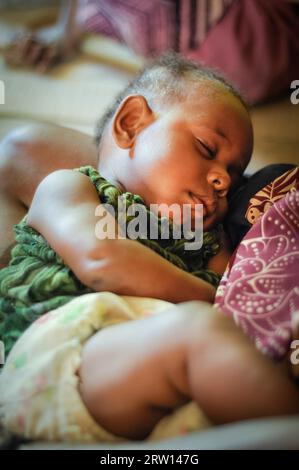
<point>207,223</point>
<point>212,220</point>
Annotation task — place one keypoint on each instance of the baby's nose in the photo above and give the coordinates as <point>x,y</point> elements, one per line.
<point>220,180</point>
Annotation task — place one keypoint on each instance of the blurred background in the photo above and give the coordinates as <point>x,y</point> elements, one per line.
<point>258,49</point>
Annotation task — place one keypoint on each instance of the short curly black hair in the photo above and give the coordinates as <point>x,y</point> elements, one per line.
<point>164,80</point>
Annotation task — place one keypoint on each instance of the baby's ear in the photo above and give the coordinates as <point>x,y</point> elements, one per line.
<point>133,115</point>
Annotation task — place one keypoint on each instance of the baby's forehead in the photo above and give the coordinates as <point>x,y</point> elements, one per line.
<point>212,94</point>
<point>222,111</point>
<point>206,100</point>
<point>219,109</point>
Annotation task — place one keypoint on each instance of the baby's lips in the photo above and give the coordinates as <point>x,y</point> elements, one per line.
<point>209,204</point>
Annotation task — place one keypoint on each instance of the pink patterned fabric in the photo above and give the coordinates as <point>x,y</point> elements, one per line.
<point>254,43</point>
<point>256,46</point>
<point>153,26</point>
<point>260,288</point>
<point>266,197</point>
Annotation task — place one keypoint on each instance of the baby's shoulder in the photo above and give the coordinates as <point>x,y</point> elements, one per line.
<point>64,184</point>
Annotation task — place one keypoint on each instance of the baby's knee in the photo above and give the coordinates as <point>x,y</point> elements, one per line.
<point>198,314</point>
<point>199,324</point>
<point>117,368</point>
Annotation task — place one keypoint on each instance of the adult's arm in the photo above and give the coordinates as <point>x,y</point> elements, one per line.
<point>27,155</point>
<point>32,151</point>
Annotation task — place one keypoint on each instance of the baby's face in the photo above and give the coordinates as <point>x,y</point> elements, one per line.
<point>192,153</point>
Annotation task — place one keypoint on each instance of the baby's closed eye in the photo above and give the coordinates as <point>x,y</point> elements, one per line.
<point>206,149</point>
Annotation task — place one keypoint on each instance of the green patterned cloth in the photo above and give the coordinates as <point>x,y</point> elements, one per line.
<point>37,280</point>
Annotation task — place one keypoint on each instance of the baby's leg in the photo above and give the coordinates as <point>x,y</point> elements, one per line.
<point>132,374</point>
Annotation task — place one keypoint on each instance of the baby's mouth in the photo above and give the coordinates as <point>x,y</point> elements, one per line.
<point>197,200</point>
<point>208,204</point>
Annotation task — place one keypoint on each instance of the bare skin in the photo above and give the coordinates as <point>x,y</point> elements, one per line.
<point>31,153</point>
<point>48,46</point>
<point>112,265</point>
<point>141,152</point>
<point>27,155</point>
<point>189,352</point>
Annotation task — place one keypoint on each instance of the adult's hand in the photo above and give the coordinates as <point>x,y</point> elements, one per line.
<point>41,50</point>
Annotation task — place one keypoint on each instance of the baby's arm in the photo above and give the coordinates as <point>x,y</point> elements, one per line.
<point>63,211</point>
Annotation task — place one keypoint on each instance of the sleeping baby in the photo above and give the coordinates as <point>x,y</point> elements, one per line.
<point>178,134</point>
